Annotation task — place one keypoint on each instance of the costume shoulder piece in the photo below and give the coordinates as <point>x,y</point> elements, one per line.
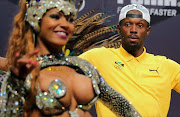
<point>2,76</point>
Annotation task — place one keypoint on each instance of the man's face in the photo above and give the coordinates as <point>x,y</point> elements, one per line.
<point>133,31</point>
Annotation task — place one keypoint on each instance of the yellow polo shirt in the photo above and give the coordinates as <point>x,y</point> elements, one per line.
<point>146,81</point>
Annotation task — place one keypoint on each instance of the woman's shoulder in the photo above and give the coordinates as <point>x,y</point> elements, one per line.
<point>3,76</point>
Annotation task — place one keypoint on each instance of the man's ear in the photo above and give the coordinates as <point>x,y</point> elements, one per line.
<point>118,29</point>
<point>148,30</point>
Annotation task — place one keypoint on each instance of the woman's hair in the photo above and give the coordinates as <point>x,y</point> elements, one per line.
<point>21,36</point>
<point>21,40</point>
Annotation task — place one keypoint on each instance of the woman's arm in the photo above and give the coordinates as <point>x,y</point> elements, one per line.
<point>13,88</point>
<point>3,64</point>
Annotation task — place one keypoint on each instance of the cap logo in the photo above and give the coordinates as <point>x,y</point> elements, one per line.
<point>145,13</point>
<point>134,16</point>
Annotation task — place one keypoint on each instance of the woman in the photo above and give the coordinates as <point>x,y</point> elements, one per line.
<point>41,80</point>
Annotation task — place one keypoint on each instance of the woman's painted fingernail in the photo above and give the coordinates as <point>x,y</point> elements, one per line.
<point>34,62</point>
<point>28,61</point>
<point>17,54</point>
<point>37,50</point>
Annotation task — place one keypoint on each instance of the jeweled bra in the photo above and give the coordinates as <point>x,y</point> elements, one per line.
<point>13,91</point>
<point>48,102</point>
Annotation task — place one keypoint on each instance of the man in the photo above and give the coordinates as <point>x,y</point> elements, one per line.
<point>144,79</point>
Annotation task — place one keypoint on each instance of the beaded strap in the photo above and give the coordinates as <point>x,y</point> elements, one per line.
<point>116,102</point>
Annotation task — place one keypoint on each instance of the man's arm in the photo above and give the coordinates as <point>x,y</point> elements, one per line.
<point>177,86</point>
<point>174,67</point>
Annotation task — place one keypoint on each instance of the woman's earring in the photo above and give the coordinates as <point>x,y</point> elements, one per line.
<point>65,51</point>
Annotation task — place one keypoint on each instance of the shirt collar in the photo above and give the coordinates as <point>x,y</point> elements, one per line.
<point>129,57</point>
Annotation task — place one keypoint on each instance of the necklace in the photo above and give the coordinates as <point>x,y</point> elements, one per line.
<point>56,69</point>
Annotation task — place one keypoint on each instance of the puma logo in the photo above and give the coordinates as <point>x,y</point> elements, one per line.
<point>156,70</point>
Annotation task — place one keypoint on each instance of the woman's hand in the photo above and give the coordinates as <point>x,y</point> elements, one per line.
<point>24,65</point>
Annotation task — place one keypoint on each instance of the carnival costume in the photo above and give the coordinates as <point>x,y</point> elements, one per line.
<point>14,90</point>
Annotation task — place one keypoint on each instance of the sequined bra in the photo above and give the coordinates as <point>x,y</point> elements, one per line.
<point>48,102</point>
<point>13,91</point>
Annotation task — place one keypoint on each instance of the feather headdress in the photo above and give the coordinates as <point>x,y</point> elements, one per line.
<point>90,32</point>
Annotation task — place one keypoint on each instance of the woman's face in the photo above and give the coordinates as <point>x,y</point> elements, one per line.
<point>55,30</point>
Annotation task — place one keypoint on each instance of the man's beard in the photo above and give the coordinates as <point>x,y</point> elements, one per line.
<point>131,47</point>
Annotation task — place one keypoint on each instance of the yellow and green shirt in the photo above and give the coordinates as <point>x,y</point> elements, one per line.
<point>146,81</point>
